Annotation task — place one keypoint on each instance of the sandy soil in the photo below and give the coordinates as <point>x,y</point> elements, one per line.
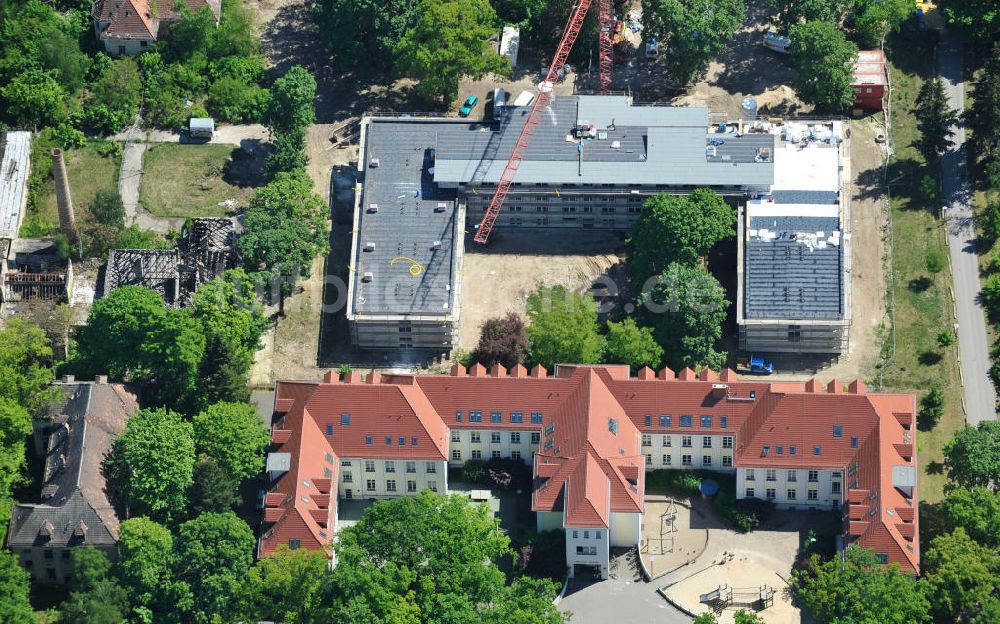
<point>667,549</point>
<point>498,279</point>
<point>743,571</point>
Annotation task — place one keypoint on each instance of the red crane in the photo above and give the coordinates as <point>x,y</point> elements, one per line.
<point>573,26</point>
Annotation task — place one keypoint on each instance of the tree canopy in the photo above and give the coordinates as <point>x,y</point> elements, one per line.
<point>286,585</point>
<point>449,41</point>
<point>627,343</point>
<point>14,605</point>
<point>976,510</point>
<point>502,340</point>
<point>677,228</point>
<point>145,560</point>
<point>365,31</point>
<point>291,104</point>
<point>563,327</point>
<point>152,463</point>
<point>859,589</point>
<point>693,32</point>
<point>972,458</point>
<point>686,309</point>
<point>981,117</point>
<point>959,575</point>
<point>234,435</point>
<point>824,66</point>
<point>215,551</point>
<point>934,119</point>
<point>977,20</point>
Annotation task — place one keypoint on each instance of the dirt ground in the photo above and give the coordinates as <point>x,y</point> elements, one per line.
<point>498,279</point>
<point>741,571</point>
<point>667,548</point>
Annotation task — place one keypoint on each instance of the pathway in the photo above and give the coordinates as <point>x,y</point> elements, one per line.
<point>980,395</point>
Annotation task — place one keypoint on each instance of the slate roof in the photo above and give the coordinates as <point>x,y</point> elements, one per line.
<point>74,488</point>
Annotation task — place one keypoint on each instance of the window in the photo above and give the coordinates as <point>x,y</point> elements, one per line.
<point>328,458</point>
<point>883,558</point>
<point>792,476</point>
<point>772,474</point>
<point>456,455</point>
<point>816,450</point>
<point>536,418</point>
<point>348,478</point>
<point>813,495</point>
<point>727,442</point>
<point>121,49</point>
<point>402,441</point>
<point>346,463</point>
<point>369,466</point>
<point>599,535</point>
<point>792,450</point>
<point>430,468</point>
<point>390,485</point>
<point>686,441</point>
<point>835,487</point>
<point>854,442</point>
<point>667,460</point>
<point>370,485</point>
<point>706,422</point>
<point>549,429</point>
<point>329,429</point>
<point>345,419</point>
<point>838,431</point>
<point>649,420</point>
<point>411,467</point>
<point>813,476</point>
<point>496,417</point>
<point>706,460</point>
<point>727,461</point>
<point>390,466</point>
<point>586,535</point>
<point>411,486</point>
<point>474,437</point>
<point>586,550</point>
<point>388,440</point>
<point>458,416</point>
<point>47,554</point>
<point>495,454</point>
<point>794,335</point>
<point>836,474</point>
<point>517,417</point>
<point>724,422</point>
<point>455,437</point>
<point>685,460</point>
<point>647,440</point>
<point>477,454</point>
<point>665,420</point>
<point>780,450</point>
<point>750,474</point>
<point>706,442</point>
<point>748,493</point>
<point>576,535</point>
<point>666,441</point>
<point>766,450</point>
<point>536,437</point>
<point>770,493</point>
<point>515,454</point>
<point>686,420</point>
<point>515,437</point>
<point>649,460</point>
<point>433,486</point>
<point>368,439</point>
<point>495,437</point>
<point>791,494</point>
<point>475,416</point>
<point>294,544</point>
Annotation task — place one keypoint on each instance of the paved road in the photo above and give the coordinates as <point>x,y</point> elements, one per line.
<point>129,181</point>
<point>980,395</point>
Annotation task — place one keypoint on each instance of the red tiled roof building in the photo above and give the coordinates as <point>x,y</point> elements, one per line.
<point>131,26</point>
<point>591,433</point>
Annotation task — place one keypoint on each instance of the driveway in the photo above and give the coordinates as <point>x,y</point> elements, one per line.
<point>980,395</point>
<point>224,134</point>
<point>619,600</point>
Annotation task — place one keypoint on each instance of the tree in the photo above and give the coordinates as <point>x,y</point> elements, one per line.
<point>14,605</point>
<point>34,98</point>
<point>935,260</point>
<point>290,107</point>
<point>214,488</point>
<point>145,560</point>
<point>946,338</point>
<point>449,41</point>
<point>152,464</point>
<point>824,66</point>
<point>365,32</point>
<point>989,222</point>
<point>959,575</point>
<point>172,355</point>
<point>285,586</point>
<point>191,32</point>
<point>747,617</point>
<point>790,13</point>
<point>90,566</point>
<point>563,327</point>
<point>977,20</point>
<point>502,340</point>
<point>116,330</point>
<point>97,598</point>
<point>285,226</point>
<point>633,345</point>
<point>234,435</point>
<point>977,511</point>
<point>931,407</point>
<point>15,426</point>
<point>692,31</point>
<point>677,228</point>
<point>236,100</point>
<point>289,152</point>
<point>215,551</point>
<point>686,309</point>
<point>705,618</point>
<point>859,589</point>
<point>934,119</point>
<point>875,18</point>
<point>972,457</point>
<point>25,364</point>
<point>115,96</point>
<point>982,115</point>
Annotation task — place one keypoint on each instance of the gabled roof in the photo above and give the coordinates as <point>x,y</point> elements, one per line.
<point>138,19</point>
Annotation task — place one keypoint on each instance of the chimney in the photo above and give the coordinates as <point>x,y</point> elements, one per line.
<point>64,201</point>
<point>100,379</point>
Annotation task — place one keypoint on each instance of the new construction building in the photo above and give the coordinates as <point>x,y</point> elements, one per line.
<point>592,163</point>
<point>590,434</point>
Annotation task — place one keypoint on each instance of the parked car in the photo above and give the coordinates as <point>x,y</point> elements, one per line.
<point>470,103</point>
<point>778,43</point>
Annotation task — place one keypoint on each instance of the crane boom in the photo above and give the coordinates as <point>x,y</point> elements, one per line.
<point>606,31</point>
<point>541,102</point>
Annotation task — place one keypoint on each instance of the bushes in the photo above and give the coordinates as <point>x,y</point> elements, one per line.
<point>745,514</point>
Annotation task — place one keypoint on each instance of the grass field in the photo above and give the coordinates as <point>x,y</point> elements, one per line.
<point>923,302</point>
<point>188,180</point>
<point>89,172</point>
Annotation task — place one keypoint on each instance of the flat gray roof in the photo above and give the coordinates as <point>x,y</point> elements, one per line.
<point>13,175</point>
<point>407,274</point>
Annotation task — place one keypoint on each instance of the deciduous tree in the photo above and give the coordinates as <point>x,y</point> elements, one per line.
<point>285,586</point>
<point>14,605</point>
<point>633,345</point>
<point>972,458</point>
<point>145,561</point>
<point>563,327</point>
<point>502,340</point>
<point>824,63</point>
<point>977,20</point>
<point>234,435</point>
<point>693,32</point>
<point>291,103</point>
<point>215,551</point>
<point>365,32</point>
<point>959,575</point>
<point>977,511</point>
<point>789,13</point>
<point>214,488</point>
<point>25,364</point>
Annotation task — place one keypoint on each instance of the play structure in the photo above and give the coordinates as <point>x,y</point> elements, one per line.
<point>668,526</point>
<point>724,596</point>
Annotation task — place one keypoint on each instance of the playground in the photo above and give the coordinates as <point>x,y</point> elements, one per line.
<point>674,533</point>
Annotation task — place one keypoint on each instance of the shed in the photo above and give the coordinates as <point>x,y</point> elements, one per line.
<point>510,41</point>
<point>870,80</point>
<point>202,127</point>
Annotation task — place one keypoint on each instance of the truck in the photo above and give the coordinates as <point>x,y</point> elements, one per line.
<point>754,365</point>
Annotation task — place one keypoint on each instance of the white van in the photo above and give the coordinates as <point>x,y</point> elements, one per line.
<point>499,101</point>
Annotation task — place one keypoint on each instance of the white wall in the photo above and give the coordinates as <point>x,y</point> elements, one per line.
<point>626,529</point>
<point>486,446</point>
<point>581,538</point>
<point>824,486</point>
<point>359,477</point>
<point>676,451</point>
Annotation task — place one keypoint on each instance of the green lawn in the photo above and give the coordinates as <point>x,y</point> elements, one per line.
<point>188,180</point>
<point>923,304</point>
<point>89,172</point>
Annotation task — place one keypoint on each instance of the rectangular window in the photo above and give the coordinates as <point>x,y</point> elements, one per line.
<point>748,493</point>
<point>792,476</point>
<point>515,437</point>
<point>751,476</point>
<point>576,535</point>
<point>685,460</point>
<point>666,441</point>
<point>474,437</point>
<point>495,437</point>
<point>727,461</point>
<point>706,422</point>
<point>388,440</point>
<point>369,466</point>
<point>433,485</point>
<point>586,550</point>
<point>647,440</point>
<point>329,429</point>
<point>345,462</point>
<point>770,493</point>
<point>496,417</point>
<point>813,495</point>
<point>790,494</point>
<point>536,418</point>
<point>390,466</point>
<point>792,450</point>
<point>345,419</point>
<point>813,476</point>
<point>458,416</point>
<point>766,450</point>
<point>835,487</point>
<point>517,417</point>
<point>549,429</point>
<point>780,450</point>
<point>724,422</point>
<point>431,467</point>
<point>686,441</point>
<point>370,485</point>
<point>411,467</point>
<point>666,460</point>
<point>456,455</point>
<point>665,420</point>
<point>477,454</point>
<point>411,486</point>
<point>838,431</point>
<point>816,450</point>
<point>536,437</point>
<point>348,478</point>
<point>727,442</point>
<point>883,558</point>
<point>854,442</point>
<point>649,460</point>
<point>402,441</point>
<point>772,474</point>
<point>475,416</point>
<point>455,437</point>
<point>495,454</point>
<point>515,454</point>
<point>706,442</point>
<point>706,460</point>
<point>686,420</point>
<point>649,420</point>
<point>390,485</point>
